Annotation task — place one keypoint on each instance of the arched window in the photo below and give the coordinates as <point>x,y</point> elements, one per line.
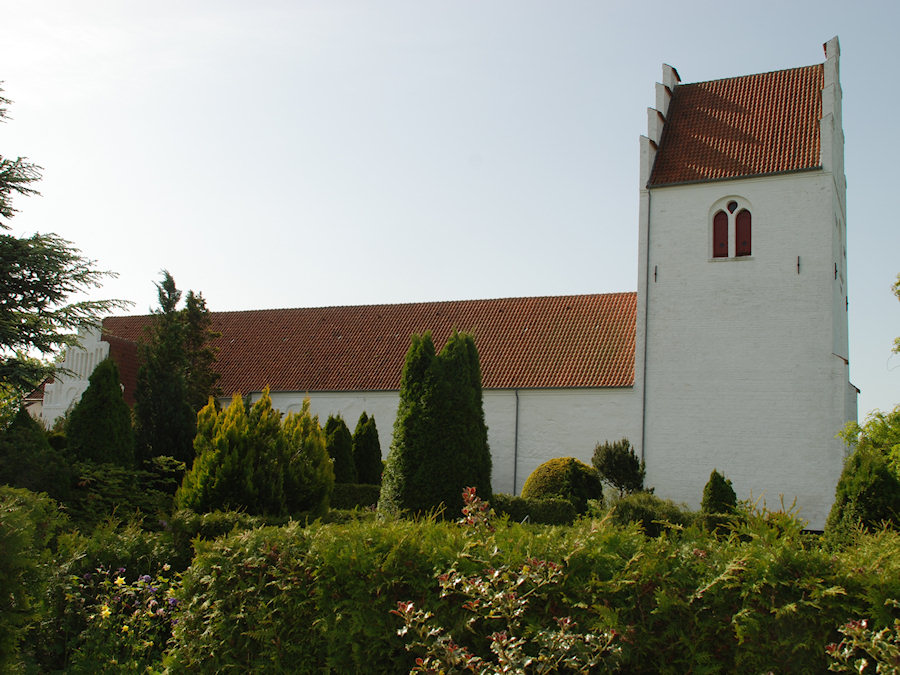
<point>720,235</point>
<point>742,233</point>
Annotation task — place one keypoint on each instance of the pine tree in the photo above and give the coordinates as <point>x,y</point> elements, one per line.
<point>99,427</point>
<point>340,447</point>
<point>619,466</point>
<point>28,461</point>
<point>367,451</point>
<point>200,357</point>
<point>440,438</point>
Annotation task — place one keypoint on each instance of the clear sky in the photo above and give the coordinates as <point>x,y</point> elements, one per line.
<point>290,153</point>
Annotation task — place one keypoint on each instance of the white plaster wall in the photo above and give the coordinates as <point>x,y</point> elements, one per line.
<point>551,423</point>
<point>740,370</point>
<point>67,387</point>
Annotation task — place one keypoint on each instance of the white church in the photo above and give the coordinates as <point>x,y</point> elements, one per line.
<point>731,355</point>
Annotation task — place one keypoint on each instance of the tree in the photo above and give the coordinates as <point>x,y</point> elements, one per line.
<point>339,443</point>
<point>867,494</point>
<point>718,495</point>
<point>367,451</point>
<point>28,461</point>
<point>619,466</point>
<point>440,439</point>
<point>99,427</point>
<point>176,376</point>
<point>252,460</point>
<point>38,275</point>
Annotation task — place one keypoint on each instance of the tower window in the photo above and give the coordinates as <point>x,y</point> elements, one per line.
<point>742,233</point>
<point>720,235</point>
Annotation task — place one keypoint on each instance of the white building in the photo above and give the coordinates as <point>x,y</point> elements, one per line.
<point>731,355</point>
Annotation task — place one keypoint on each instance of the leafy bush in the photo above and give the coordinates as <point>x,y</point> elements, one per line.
<point>99,426</point>
<point>654,514</point>
<point>367,451</point>
<point>619,466</point>
<point>566,478</point>
<point>28,461</point>
<point>867,494</point>
<point>29,524</point>
<point>339,443</point>
<point>440,444</point>
<point>551,511</point>
<point>255,461</point>
<point>354,495</point>
<point>189,527</point>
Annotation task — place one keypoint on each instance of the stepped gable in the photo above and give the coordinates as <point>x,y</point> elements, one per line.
<point>741,126</point>
<point>544,342</point>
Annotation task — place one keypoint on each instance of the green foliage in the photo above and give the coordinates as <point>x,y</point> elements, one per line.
<point>867,494</point>
<point>28,461</point>
<point>29,524</point>
<point>550,511</point>
<point>619,466</point>
<point>367,451</point>
<point>654,514</point>
<point>880,432</point>
<point>176,377</point>
<point>439,445</point>
<point>99,426</point>
<point>567,478</point>
<point>38,275</point>
<point>252,460</point>
<point>354,495</point>
<point>339,443</point>
<point>718,495</point>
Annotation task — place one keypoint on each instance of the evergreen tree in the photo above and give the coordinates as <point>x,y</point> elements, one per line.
<point>28,461</point>
<point>619,466</point>
<point>99,426</point>
<point>251,460</point>
<point>367,451</point>
<point>867,495</point>
<point>440,438</point>
<point>340,447</point>
<point>176,376</point>
<point>718,495</point>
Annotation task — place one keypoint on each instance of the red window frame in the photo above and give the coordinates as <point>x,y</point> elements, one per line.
<point>742,228</point>
<point>720,235</point>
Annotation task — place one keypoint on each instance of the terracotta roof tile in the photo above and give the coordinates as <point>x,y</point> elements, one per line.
<point>742,126</point>
<point>565,341</point>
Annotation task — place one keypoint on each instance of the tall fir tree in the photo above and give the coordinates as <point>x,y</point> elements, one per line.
<point>28,461</point>
<point>339,442</point>
<point>440,439</point>
<point>176,377</point>
<point>99,428</point>
<point>367,451</point>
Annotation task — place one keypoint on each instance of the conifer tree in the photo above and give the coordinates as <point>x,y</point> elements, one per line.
<point>440,438</point>
<point>340,447</point>
<point>99,427</point>
<point>200,356</point>
<point>249,459</point>
<point>28,461</point>
<point>367,451</point>
<point>718,495</point>
<point>619,466</point>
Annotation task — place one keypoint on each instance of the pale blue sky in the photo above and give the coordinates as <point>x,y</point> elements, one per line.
<point>285,154</point>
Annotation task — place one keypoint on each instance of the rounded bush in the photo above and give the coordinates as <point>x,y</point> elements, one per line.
<point>564,477</point>
<point>652,512</point>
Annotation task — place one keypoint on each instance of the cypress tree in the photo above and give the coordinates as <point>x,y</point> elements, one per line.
<point>306,465</point>
<point>367,451</point>
<point>99,427</point>
<point>718,495</point>
<point>201,379</point>
<point>440,438</point>
<point>340,447</point>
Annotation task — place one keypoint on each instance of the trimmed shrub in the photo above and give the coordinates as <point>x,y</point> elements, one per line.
<point>367,451</point>
<point>867,494</point>
<point>339,443</point>
<point>255,461</point>
<point>654,514</point>
<point>718,495</point>
<point>566,478</point>
<point>28,461</point>
<point>440,444</point>
<point>354,495</point>
<point>619,466</point>
<point>99,426</point>
<point>551,511</point>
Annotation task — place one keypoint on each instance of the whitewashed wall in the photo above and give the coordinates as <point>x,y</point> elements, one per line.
<point>67,388</point>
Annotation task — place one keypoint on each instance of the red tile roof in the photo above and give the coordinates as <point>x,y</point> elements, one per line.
<point>566,341</point>
<point>741,126</point>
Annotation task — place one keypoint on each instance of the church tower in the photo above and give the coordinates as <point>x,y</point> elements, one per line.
<point>741,337</point>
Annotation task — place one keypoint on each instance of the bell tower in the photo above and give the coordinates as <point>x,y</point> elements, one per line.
<point>741,338</point>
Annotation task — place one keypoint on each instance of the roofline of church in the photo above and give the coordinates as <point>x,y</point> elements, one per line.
<point>746,176</point>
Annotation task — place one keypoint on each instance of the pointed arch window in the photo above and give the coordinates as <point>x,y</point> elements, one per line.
<point>731,221</point>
